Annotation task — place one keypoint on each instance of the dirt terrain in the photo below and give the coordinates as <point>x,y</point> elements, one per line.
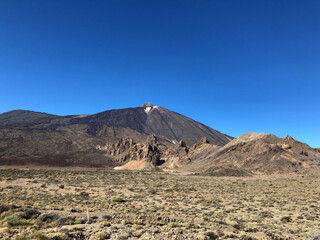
<point>108,204</point>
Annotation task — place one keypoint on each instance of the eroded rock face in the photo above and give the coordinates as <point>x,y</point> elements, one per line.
<point>182,144</point>
<point>288,138</point>
<point>118,149</point>
<point>203,142</point>
<point>142,156</point>
<point>152,139</point>
<point>145,152</point>
<point>126,150</point>
<point>257,153</point>
<point>179,155</point>
<point>152,153</point>
<point>176,156</point>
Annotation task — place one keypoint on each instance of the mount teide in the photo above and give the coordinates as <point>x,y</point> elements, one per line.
<point>28,137</point>
<point>149,119</point>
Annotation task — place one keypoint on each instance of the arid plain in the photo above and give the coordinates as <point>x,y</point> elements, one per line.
<point>106,204</point>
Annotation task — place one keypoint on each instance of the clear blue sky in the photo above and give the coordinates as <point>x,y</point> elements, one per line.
<point>237,66</point>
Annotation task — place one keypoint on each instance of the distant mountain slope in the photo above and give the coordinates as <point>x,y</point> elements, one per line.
<point>150,119</point>
<point>23,118</point>
<point>40,138</point>
<point>49,147</point>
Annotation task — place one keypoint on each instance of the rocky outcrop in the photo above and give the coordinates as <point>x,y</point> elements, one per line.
<point>179,155</point>
<point>265,153</point>
<point>152,139</point>
<point>141,156</point>
<point>141,138</point>
<point>176,155</point>
<point>154,154</point>
<point>118,148</point>
<point>203,142</point>
<point>126,151</point>
<point>143,151</point>
<point>182,144</point>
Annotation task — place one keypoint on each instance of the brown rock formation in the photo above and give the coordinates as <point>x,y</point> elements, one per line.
<point>204,141</point>
<point>179,155</point>
<point>265,153</point>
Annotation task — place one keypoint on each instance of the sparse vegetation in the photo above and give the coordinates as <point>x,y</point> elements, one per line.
<point>133,205</point>
<point>32,236</point>
<point>118,199</point>
<point>286,219</point>
<point>102,235</point>
<point>16,220</point>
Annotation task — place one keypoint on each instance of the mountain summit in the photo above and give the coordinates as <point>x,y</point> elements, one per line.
<point>147,105</point>
<point>137,123</point>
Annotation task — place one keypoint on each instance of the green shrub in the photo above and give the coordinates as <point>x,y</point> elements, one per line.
<point>227,170</point>
<point>32,236</point>
<point>16,220</point>
<point>5,214</point>
<point>37,236</point>
<point>173,225</point>
<point>105,224</point>
<point>125,222</point>
<point>125,235</point>
<point>138,233</point>
<point>21,237</point>
<point>118,199</point>
<point>79,221</point>
<point>58,236</point>
<point>102,235</point>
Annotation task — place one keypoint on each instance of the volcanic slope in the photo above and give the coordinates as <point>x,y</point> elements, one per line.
<point>260,153</point>
<point>41,138</point>
<point>149,119</point>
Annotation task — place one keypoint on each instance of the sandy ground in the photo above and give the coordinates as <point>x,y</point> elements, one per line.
<point>81,203</point>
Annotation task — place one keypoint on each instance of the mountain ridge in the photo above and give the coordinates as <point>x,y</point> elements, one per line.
<point>141,119</point>
<point>142,138</point>
<point>32,137</point>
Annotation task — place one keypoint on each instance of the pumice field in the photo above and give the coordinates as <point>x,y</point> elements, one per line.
<point>106,204</point>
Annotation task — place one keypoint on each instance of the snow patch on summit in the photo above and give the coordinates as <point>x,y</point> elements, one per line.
<point>147,109</point>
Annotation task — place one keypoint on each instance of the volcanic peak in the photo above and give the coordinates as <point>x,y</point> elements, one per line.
<point>148,107</point>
